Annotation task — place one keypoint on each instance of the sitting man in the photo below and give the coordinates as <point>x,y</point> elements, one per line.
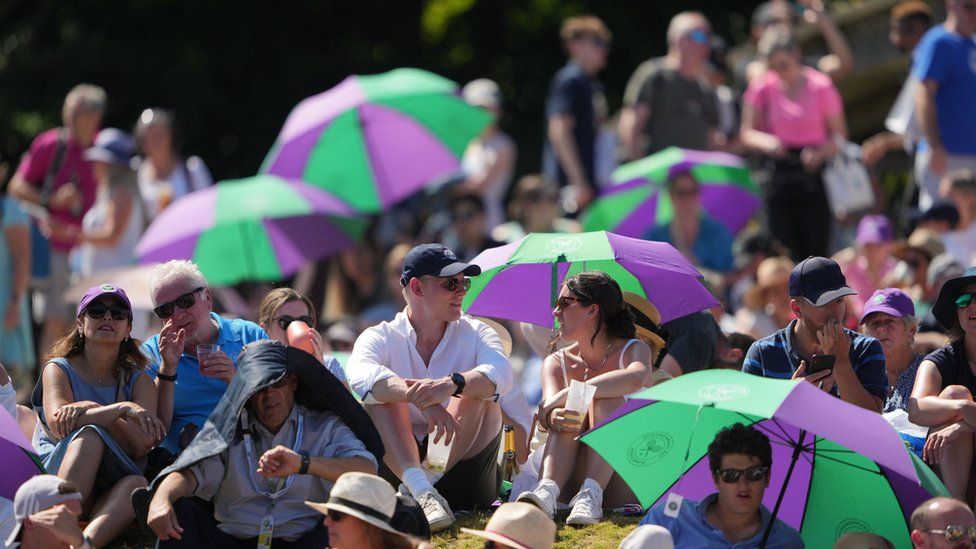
<point>46,509</point>
<point>187,391</point>
<point>285,431</point>
<point>740,458</point>
<point>407,370</point>
<point>943,522</point>
<point>817,291</point>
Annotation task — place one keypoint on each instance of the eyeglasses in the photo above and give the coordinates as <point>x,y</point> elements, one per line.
<point>284,321</point>
<point>336,516</point>
<point>97,311</point>
<point>753,474</point>
<point>566,301</point>
<point>698,36</point>
<point>964,300</point>
<point>955,533</point>
<point>452,284</point>
<point>184,302</point>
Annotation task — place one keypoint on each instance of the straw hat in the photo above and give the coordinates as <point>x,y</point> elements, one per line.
<point>771,272</point>
<point>647,319</point>
<point>366,497</point>
<point>520,525</point>
<point>923,240</point>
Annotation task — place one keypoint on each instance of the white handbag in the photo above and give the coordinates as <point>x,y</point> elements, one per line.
<point>847,181</point>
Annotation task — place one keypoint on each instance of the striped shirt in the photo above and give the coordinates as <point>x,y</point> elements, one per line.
<point>777,356</point>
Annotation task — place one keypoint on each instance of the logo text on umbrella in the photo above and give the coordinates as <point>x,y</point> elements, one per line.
<point>723,392</point>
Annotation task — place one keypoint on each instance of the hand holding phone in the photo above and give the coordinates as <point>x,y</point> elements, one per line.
<point>820,363</point>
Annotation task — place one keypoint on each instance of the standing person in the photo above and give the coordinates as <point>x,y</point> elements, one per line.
<point>592,314</point>
<point>489,160</point>
<point>16,332</point>
<point>97,411</point>
<point>668,101</point>
<point>818,294</point>
<point>889,317</point>
<point>54,175</point>
<point>959,186</point>
<point>569,155</point>
<point>407,371</point>
<point>188,390</point>
<point>164,174</point>
<point>944,63</point>
<point>792,116</point>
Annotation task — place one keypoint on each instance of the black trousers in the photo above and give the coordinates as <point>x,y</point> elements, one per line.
<point>797,211</point>
<point>200,531</point>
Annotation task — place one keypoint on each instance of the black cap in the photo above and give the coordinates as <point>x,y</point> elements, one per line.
<point>819,280</point>
<point>940,210</point>
<point>436,260</point>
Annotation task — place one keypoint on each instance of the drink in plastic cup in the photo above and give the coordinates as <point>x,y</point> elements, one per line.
<point>203,351</point>
<point>437,454</point>
<point>579,398</point>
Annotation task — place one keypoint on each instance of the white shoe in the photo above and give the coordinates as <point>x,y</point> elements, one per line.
<point>587,505</point>
<point>437,511</point>
<point>541,498</point>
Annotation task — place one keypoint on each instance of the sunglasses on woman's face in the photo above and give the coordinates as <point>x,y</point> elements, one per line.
<point>753,474</point>
<point>964,300</point>
<point>184,302</point>
<point>284,321</point>
<point>565,301</point>
<point>336,516</point>
<point>97,311</point>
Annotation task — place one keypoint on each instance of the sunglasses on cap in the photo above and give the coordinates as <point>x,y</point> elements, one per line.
<point>964,300</point>
<point>98,309</point>
<point>184,302</point>
<point>284,321</point>
<point>955,533</point>
<point>753,474</point>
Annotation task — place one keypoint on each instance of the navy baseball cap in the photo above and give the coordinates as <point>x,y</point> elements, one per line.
<point>436,260</point>
<point>818,280</point>
<point>112,146</point>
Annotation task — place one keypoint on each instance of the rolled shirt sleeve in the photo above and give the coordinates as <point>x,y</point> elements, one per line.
<point>209,473</point>
<point>366,364</point>
<point>342,443</point>
<point>492,361</point>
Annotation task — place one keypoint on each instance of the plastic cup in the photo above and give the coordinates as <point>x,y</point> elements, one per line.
<point>579,398</point>
<point>205,350</point>
<point>437,455</point>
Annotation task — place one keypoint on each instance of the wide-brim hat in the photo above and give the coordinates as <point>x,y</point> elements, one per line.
<point>772,271</point>
<point>944,309</point>
<point>364,496</point>
<point>520,525</point>
<point>647,319</point>
<point>925,241</point>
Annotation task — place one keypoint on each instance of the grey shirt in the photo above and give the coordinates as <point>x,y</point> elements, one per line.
<point>239,509</point>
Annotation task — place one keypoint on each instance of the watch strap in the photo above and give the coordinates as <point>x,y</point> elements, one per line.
<point>306,462</point>
<point>166,377</point>
<point>459,381</point>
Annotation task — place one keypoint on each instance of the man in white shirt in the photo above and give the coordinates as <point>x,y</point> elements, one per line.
<point>407,372</point>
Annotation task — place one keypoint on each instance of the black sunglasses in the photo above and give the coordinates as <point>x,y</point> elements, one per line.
<point>284,321</point>
<point>563,302</point>
<point>184,302</point>
<point>753,474</point>
<point>452,284</point>
<point>336,516</point>
<point>97,311</point>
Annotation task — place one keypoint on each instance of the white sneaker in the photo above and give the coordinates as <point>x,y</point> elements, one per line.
<point>587,505</point>
<point>541,498</point>
<point>437,511</point>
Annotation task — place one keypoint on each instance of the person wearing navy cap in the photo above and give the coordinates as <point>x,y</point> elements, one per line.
<point>889,317</point>
<point>407,371</point>
<point>818,292</point>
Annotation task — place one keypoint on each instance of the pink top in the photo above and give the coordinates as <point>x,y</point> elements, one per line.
<point>861,281</point>
<point>797,121</point>
<point>34,167</point>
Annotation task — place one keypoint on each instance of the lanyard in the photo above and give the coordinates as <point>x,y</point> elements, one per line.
<point>252,467</point>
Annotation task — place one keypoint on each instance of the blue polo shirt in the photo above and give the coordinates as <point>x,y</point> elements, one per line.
<point>690,529</point>
<point>712,247</point>
<point>776,356</point>
<point>950,60</point>
<point>195,395</point>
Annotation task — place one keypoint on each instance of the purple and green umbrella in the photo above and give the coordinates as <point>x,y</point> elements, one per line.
<point>637,199</point>
<point>520,281</point>
<point>836,468</point>
<point>374,140</point>
<point>20,461</point>
<point>258,228</point>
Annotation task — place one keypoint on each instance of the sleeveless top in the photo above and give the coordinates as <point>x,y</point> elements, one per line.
<point>620,366</point>
<point>82,390</point>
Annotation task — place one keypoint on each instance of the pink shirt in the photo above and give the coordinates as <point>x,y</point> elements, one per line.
<point>34,167</point>
<point>797,121</point>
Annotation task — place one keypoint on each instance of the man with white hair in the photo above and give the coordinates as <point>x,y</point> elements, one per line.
<point>188,389</point>
<point>668,101</point>
<point>54,175</point>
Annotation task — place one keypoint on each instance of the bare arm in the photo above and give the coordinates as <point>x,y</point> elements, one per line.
<point>755,139</point>
<point>20,188</point>
<point>116,220</point>
<point>560,132</point>
<point>18,240</point>
<point>850,388</point>
<point>671,365</point>
<point>632,119</point>
<point>391,389</point>
<point>840,61</point>
<point>925,108</point>
<point>504,163</point>
<point>926,408</point>
<point>134,438</point>
<point>333,468</point>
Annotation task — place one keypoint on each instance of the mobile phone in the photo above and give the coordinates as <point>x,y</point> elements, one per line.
<point>820,363</point>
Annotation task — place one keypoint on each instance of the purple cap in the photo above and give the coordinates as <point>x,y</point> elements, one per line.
<point>890,301</point>
<point>874,229</point>
<point>96,292</point>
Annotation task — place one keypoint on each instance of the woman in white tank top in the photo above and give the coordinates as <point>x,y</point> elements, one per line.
<point>592,314</point>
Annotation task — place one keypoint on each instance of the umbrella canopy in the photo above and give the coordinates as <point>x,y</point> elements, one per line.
<point>20,462</point>
<point>259,228</point>
<point>375,140</point>
<point>520,281</point>
<point>637,201</point>
<point>836,468</point>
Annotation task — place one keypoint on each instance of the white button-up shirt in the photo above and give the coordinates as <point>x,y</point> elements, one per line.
<point>389,349</point>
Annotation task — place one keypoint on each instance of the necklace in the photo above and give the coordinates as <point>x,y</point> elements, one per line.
<point>606,354</point>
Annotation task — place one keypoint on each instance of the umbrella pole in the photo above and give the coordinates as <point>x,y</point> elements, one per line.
<point>797,448</point>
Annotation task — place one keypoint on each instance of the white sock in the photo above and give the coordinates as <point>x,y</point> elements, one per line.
<point>549,486</point>
<point>416,480</point>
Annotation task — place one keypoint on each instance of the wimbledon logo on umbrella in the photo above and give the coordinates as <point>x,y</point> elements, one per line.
<point>564,245</point>
<point>649,448</point>
<point>723,392</point>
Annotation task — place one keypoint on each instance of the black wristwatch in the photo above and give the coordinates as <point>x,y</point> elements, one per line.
<point>458,380</point>
<point>306,462</point>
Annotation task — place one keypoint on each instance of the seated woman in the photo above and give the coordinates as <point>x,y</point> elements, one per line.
<point>282,306</point>
<point>591,313</point>
<point>704,241</point>
<point>942,398</point>
<point>889,317</point>
<point>97,412</point>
